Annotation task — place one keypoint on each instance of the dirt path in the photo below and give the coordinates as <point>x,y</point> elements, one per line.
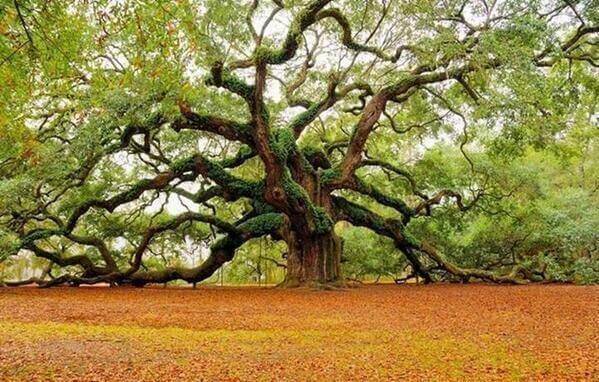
<point>420,333</point>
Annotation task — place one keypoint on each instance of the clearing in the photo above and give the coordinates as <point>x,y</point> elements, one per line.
<point>438,332</point>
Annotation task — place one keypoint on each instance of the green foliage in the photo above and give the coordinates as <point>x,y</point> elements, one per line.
<point>330,175</point>
<point>369,256</point>
<point>322,221</point>
<point>549,220</point>
<point>9,245</point>
<point>282,143</point>
<point>263,224</point>
<point>254,263</point>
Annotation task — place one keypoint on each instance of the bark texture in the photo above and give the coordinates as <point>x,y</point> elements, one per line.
<point>313,261</point>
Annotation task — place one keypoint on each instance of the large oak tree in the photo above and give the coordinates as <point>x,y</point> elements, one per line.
<point>265,118</point>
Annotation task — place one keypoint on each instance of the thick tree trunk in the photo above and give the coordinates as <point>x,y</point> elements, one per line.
<point>313,261</point>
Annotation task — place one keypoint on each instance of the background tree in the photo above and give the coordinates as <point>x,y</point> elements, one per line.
<point>368,256</point>
<point>131,129</point>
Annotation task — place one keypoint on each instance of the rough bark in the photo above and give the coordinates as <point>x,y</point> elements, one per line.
<point>313,261</point>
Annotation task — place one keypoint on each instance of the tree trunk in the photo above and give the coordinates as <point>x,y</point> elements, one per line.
<point>313,261</point>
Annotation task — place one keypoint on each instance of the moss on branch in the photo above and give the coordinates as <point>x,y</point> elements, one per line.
<point>305,118</point>
<point>225,79</point>
<point>316,157</point>
<point>262,224</point>
<point>382,198</point>
<point>322,221</point>
<point>238,186</point>
<point>282,143</point>
<point>330,176</point>
<point>244,153</point>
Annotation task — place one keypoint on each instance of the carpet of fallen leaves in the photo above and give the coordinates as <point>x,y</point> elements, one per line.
<point>419,333</point>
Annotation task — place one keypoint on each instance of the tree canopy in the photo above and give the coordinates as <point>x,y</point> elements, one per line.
<point>463,133</point>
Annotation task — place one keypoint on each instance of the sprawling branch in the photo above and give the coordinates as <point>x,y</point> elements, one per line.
<point>394,92</point>
<point>299,123</point>
<point>512,277</point>
<point>222,250</point>
<point>171,225</point>
<point>438,198</point>
<point>363,217</point>
<point>76,260</point>
<point>364,188</point>
<point>403,173</point>
<point>99,245</point>
<point>300,23</point>
<point>348,41</point>
<point>196,165</point>
<point>231,130</point>
<point>360,216</point>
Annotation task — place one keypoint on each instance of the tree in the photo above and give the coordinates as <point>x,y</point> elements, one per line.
<point>267,118</point>
<point>370,256</point>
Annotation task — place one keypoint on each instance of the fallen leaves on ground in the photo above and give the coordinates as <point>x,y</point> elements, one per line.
<point>438,332</point>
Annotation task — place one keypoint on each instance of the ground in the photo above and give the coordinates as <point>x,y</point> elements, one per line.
<point>438,332</point>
